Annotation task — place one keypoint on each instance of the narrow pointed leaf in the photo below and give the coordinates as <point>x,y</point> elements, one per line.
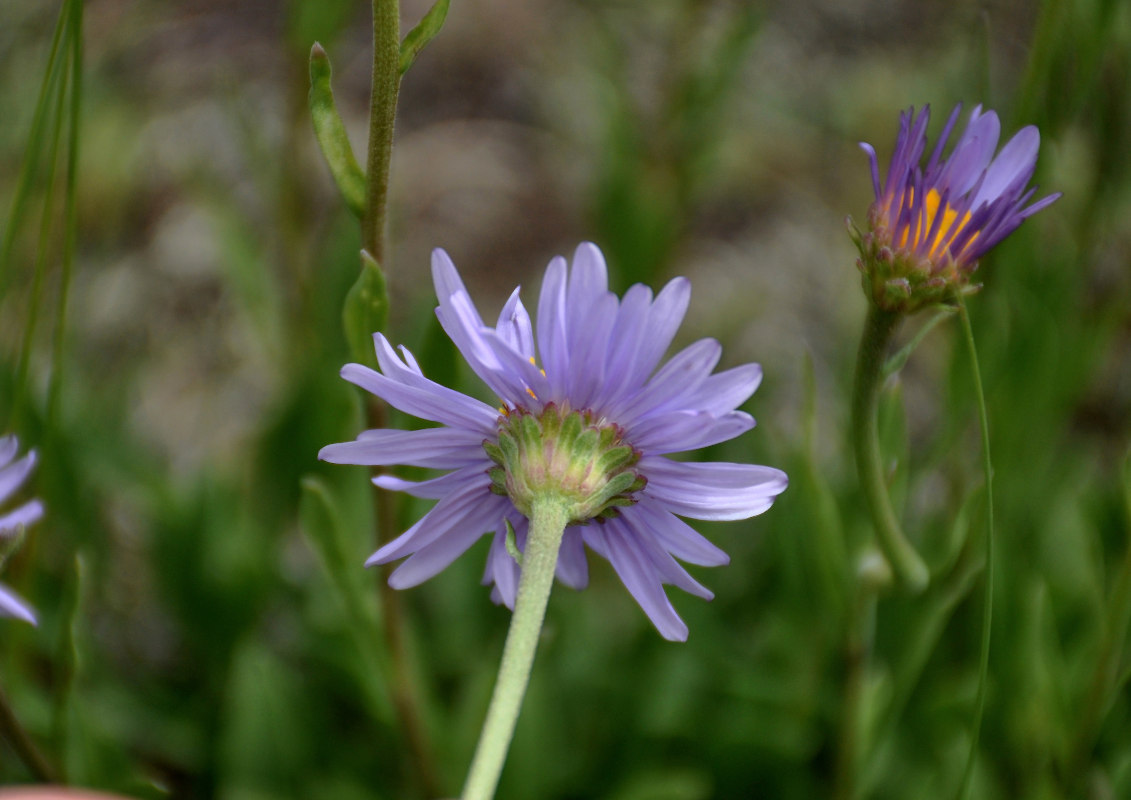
<point>423,33</point>
<point>331,133</point>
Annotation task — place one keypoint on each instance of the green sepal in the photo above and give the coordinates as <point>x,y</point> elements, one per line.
<point>423,33</point>
<point>365,310</point>
<point>498,477</point>
<point>512,543</point>
<point>331,133</point>
<point>617,457</point>
<point>494,452</point>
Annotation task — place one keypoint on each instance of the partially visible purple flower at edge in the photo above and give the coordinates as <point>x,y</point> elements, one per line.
<point>928,227</point>
<point>12,477</point>
<point>588,351</point>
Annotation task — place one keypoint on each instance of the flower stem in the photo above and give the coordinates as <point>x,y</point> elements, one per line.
<point>857,656</point>
<point>382,114</point>
<point>384,89</point>
<point>988,600</point>
<point>548,520</point>
<point>879,326</point>
<point>25,748</point>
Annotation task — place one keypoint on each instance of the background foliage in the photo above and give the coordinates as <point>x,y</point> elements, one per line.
<point>207,628</point>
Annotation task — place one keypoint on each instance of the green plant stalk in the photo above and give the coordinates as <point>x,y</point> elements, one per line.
<point>879,326</point>
<point>13,731</point>
<point>857,655</point>
<point>70,222</point>
<point>28,168</point>
<point>548,518</point>
<point>43,245</point>
<point>382,115</point>
<point>988,599</point>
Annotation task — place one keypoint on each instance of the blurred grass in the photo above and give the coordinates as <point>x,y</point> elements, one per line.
<point>206,651</point>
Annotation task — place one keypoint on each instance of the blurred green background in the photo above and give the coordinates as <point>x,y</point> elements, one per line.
<point>194,642</point>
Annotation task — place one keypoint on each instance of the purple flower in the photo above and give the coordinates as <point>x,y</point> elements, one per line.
<point>928,227</point>
<point>589,351</point>
<point>12,523</point>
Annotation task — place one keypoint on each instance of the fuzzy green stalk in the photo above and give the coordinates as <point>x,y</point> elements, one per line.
<point>548,519</point>
<point>385,87</point>
<point>879,327</point>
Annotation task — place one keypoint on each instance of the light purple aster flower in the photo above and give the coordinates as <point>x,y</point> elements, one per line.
<point>928,227</point>
<point>12,477</point>
<point>589,352</point>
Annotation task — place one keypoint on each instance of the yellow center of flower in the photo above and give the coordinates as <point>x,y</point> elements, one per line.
<point>947,231</point>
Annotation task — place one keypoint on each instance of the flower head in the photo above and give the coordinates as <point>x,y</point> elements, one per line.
<point>585,377</point>
<point>12,523</point>
<point>928,227</point>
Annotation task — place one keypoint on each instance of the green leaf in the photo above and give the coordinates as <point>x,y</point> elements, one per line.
<point>331,133</point>
<point>896,362</point>
<point>423,33</point>
<point>365,309</point>
<point>322,525</point>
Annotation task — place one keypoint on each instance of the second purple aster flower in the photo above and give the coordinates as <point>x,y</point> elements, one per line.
<point>929,226</point>
<point>586,375</point>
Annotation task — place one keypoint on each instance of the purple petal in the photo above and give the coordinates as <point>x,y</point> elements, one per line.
<point>471,506</point>
<point>656,335</point>
<point>871,153</point>
<point>437,448</point>
<point>435,488</point>
<point>13,476</point>
<point>502,570</point>
<point>676,431</point>
<point>9,446</point>
<point>27,514</point>
<point>551,328</point>
<point>972,154</point>
<point>680,376</point>
<point>461,322</point>
<point>639,576</point>
<point>711,490</point>
<point>726,390</point>
<point>573,567</point>
<point>676,536</point>
<point>1013,167</point>
<point>12,606</point>
<point>665,566</point>
<point>445,276</point>
<point>514,326</point>
<point>425,399</point>
<point>588,280</point>
<point>433,558</point>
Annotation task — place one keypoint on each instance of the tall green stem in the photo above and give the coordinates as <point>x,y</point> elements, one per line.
<point>385,86</point>
<point>548,519</point>
<point>25,748</point>
<point>988,600</point>
<point>879,327</point>
<point>382,114</point>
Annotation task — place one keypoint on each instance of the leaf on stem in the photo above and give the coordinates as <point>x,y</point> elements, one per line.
<point>331,133</point>
<point>365,309</point>
<point>423,33</point>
